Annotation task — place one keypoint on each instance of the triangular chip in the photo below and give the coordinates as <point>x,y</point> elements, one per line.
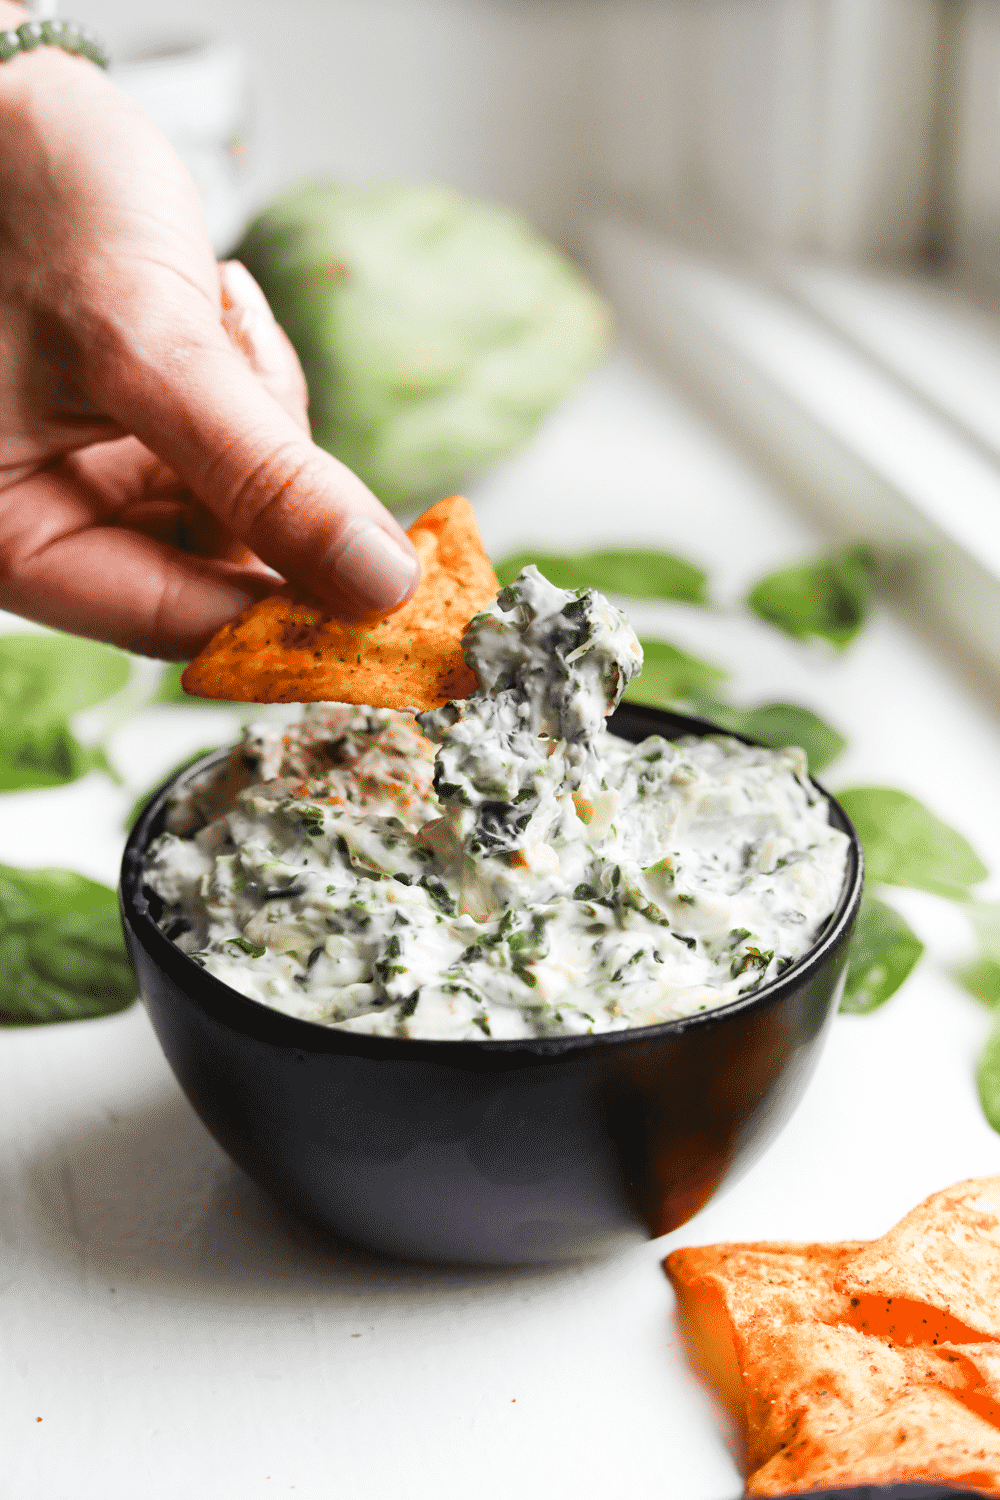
<point>927,1434</point>
<point>289,649</point>
<point>945,1254</point>
<point>761,1320</point>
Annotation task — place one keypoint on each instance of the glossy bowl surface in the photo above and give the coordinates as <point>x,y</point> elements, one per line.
<point>491,1151</point>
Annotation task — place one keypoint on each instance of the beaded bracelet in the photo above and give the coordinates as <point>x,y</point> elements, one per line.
<point>68,35</point>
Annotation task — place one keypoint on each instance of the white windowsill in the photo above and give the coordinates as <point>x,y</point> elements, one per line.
<point>877,401</point>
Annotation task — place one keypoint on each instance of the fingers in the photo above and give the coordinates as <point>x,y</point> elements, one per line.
<point>253,329</point>
<point>114,583</point>
<point>184,390</point>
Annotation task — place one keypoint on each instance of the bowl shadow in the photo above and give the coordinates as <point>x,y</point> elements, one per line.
<point>147,1198</point>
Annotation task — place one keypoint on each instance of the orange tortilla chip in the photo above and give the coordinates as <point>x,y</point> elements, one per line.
<point>289,648</point>
<point>927,1434</point>
<point>761,1318</point>
<point>859,1363</point>
<point>945,1254</point>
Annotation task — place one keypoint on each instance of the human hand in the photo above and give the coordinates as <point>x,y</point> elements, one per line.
<point>154,450</point>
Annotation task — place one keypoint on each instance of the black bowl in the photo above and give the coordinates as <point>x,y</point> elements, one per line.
<point>491,1151</point>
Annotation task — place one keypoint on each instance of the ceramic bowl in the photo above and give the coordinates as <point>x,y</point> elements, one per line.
<point>491,1151</point>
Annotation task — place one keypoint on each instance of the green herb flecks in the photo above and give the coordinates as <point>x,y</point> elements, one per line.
<point>62,955</point>
<point>884,952</point>
<point>830,597</point>
<point>639,573</point>
<point>252,950</point>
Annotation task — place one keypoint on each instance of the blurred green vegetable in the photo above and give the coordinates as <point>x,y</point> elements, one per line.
<point>905,844</point>
<point>640,573</point>
<point>62,954</point>
<point>778,725</point>
<point>669,674</point>
<point>884,952</point>
<point>435,332</point>
<point>830,597</point>
<point>44,680</point>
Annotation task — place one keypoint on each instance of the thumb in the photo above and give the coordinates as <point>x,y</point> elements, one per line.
<point>192,398</point>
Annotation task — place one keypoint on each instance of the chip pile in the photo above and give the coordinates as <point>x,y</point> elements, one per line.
<point>859,1363</point>
<point>289,648</point>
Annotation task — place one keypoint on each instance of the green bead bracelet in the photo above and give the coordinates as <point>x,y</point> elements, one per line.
<point>69,35</point>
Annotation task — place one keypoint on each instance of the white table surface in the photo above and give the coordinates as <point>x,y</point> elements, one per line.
<point>166,1330</point>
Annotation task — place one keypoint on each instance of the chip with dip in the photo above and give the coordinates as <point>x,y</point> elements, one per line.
<point>289,648</point>
<point>500,866</point>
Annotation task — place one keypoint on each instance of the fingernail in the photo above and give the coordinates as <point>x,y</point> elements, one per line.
<point>374,565</point>
<point>220,603</point>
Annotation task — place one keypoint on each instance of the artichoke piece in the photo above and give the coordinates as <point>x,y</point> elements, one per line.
<point>434,332</point>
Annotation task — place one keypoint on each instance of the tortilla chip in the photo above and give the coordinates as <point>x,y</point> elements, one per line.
<point>944,1255</point>
<point>761,1320</point>
<point>977,1368</point>
<point>927,1434</point>
<point>288,648</point>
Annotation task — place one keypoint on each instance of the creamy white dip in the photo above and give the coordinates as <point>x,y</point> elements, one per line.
<point>537,876</point>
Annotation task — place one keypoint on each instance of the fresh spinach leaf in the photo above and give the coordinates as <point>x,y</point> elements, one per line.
<point>982,980</point>
<point>832,596</point>
<point>638,573</point>
<point>62,955</point>
<point>778,725</point>
<point>988,1077</point>
<point>34,756</point>
<point>884,952</point>
<point>905,844</point>
<point>44,680</point>
<point>51,677</point>
<point>669,674</point>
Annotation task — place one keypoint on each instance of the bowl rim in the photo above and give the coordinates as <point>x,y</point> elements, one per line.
<point>255,1017</point>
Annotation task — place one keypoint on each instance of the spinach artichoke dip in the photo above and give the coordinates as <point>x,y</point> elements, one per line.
<point>503,866</point>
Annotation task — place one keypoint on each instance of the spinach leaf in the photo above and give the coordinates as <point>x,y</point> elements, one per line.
<point>982,979</point>
<point>44,680</point>
<point>641,574</point>
<point>778,725</point>
<point>988,1077</point>
<point>34,756</point>
<point>668,673</point>
<point>884,952</point>
<point>62,955</point>
<point>50,677</point>
<point>905,844</point>
<point>832,596</point>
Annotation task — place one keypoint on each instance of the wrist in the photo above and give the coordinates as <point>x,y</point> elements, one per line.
<point>11,16</point>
